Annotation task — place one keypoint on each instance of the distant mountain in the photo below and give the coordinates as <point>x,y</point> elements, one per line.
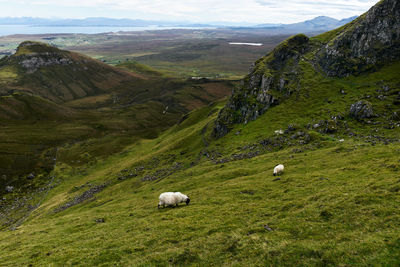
<point>269,25</point>
<point>318,24</point>
<point>95,22</point>
<point>24,21</point>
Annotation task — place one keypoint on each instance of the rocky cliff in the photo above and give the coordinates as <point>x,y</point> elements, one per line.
<point>369,41</point>
<point>32,56</point>
<point>271,79</point>
<point>362,45</point>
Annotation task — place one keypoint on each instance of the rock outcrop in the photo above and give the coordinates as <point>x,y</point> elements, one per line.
<point>370,40</point>
<point>361,110</point>
<point>9,188</point>
<point>33,63</point>
<point>34,55</point>
<point>272,78</point>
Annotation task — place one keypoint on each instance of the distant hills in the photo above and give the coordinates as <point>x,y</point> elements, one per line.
<point>320,23</point>
<point>95,22</point>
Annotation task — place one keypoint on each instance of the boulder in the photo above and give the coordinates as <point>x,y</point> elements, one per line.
<point>9,188</point>
<point>361,110</point>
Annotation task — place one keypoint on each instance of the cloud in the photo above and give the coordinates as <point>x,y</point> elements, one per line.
<point>257,11</point>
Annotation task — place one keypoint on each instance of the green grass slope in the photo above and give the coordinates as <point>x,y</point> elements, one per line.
<point>42,87</point>
<point>139,68</point>
<point>33,124</point>
<point>336,204</point>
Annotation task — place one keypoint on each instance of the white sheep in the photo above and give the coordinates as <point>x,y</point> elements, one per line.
<point>278,169</point>
<point>172,199</point>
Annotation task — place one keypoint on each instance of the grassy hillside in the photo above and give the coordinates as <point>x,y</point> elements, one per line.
<point>336,203</point>
<point>31,125</point>
<point>139,68</point>
<point>335,129</point>
<point>36,116</point>
<point>58,75</point>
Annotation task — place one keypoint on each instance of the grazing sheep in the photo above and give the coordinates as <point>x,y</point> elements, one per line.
<point>278,169</point>
<point>172,199</point>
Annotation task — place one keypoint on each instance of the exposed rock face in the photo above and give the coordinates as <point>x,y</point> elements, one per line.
<point>361,110</point>
<point>272,77</point>
<point>88,194</point>
<point>33,55</point>
<point>33,62</point>
<point>371,39</point>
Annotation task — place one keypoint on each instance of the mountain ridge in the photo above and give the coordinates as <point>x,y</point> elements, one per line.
<point>60,75</point>
<point>317,24</point>
<point>104,21</point>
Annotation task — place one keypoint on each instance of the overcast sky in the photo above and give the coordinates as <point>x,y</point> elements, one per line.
<point>255,11</point>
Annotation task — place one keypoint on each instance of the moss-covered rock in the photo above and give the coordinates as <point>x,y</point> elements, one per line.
<point>361,110</point>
